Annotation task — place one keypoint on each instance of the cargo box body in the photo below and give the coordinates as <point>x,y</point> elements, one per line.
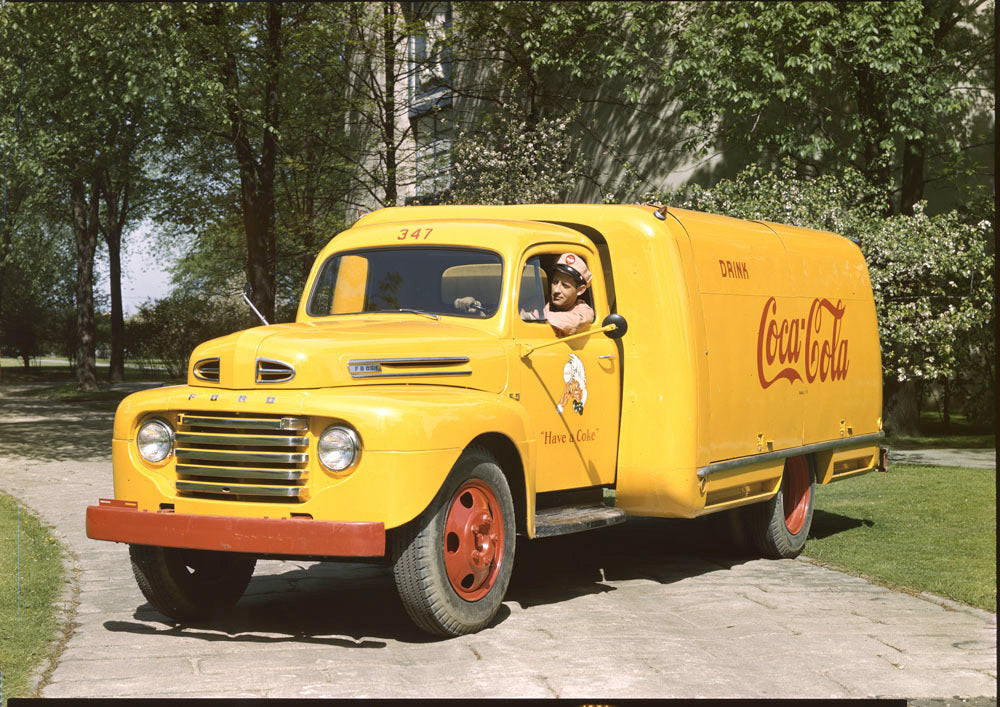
<point>748,342</point>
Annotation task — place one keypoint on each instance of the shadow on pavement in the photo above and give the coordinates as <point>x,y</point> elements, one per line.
<point>355,605</point>
<point>663,550</point>
<point>338,604</point>
<point>54,431</point>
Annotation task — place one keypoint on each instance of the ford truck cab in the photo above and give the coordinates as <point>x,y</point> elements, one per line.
<point>731,364</point>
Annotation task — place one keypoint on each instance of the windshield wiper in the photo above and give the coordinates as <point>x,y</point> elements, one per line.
<point>412,311</point>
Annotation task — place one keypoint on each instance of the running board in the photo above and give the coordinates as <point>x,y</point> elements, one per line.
<point>574,519</point>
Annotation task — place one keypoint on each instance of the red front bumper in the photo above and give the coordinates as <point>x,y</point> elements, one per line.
<point>121,521</point>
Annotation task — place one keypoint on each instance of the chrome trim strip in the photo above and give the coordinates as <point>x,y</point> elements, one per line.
<point>237,472</point>
<point>731,464</point>
<point>249,423</point>
<point>415,361</point>
<point>239,440</point>
<point>218,370</point>
<point>261,369</point>
<point>233,490</point>
<point>372,367</point>
<point>416,373</point>
<point>234,456</point>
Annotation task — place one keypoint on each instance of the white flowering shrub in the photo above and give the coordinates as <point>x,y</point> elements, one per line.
<point>508,160</point>
<point>931,275</point>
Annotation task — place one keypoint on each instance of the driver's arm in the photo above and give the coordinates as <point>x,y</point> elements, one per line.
<point>467,304</point>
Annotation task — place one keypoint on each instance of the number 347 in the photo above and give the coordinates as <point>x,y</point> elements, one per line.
<point>415,233</point>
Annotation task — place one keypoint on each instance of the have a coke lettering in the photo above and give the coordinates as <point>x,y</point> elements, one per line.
<point>809,348</point>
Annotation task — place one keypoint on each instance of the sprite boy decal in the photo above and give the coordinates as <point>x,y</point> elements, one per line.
<point>575,389</point>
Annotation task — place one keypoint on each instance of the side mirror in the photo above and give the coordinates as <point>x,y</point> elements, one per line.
<point>621,326</point>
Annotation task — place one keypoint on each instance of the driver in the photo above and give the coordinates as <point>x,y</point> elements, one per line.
<point>567,312</point>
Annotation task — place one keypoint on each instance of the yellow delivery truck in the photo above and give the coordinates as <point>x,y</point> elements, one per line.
<point>430,406</point>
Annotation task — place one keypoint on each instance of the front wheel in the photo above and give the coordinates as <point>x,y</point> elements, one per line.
<point>779,527</point>
<point>189,585</point>
<point>452,563</point>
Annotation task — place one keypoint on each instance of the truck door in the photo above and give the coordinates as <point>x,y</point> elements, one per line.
<point>571,390</point>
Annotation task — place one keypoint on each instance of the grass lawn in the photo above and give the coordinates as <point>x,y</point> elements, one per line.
<point>959,433</point>
<point>920,528</point>
<point>25,642</point>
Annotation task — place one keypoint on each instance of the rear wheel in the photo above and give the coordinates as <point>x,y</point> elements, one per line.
<point>188,585</point>
<point>452,564</point>
<point>779,527</point>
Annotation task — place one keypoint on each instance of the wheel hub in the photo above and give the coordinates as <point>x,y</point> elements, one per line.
<point>473,540</point>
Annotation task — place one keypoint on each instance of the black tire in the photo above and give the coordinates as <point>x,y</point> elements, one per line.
<point>435,590</point>
<point>190,585</point>
<point>778,528</point>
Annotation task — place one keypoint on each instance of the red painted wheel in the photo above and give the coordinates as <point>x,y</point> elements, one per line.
<point>452,563</point>
<point>796,494</point>
<point>473,540</point>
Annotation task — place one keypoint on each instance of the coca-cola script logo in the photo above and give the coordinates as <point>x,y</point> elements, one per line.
<point>809,347</point>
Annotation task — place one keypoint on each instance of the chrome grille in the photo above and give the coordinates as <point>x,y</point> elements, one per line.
<point>242,457</point>
<point>207,369</point>
<point>271,371</point>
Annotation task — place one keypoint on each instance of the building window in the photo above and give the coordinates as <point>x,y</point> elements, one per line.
<point>430,100</point>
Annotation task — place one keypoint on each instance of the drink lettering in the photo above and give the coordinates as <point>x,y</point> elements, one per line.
<point>809,348</point>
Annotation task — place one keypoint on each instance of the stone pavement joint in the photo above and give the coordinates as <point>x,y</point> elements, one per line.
<point>630,611</point>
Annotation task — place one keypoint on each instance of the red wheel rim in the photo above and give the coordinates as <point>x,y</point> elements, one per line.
<point>473,540</point>
<point>795,493</point>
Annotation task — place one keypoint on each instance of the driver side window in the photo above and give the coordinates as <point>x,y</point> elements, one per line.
<point>534,286</point>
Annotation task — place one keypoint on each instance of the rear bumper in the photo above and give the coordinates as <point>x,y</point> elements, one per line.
<point>121,521</point>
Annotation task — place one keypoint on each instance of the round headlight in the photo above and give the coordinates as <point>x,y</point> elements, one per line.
<point>155,440</point>
<point>338,448</point>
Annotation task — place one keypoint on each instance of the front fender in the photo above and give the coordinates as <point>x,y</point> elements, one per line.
<point>411,436</point>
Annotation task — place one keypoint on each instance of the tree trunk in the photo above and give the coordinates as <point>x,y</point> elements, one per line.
<point>946,405</point>
<point>85,231</point>
<point>115,224</point>
<point>901,410</point>
<point>389,103</point>
<point>913,176</point>
<point>876,167</point>
<point>257,179</point>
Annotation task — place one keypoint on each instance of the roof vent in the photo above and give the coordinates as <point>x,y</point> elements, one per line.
<point>271,371</point>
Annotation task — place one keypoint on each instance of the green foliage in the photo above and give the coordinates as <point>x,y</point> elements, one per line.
<point>259,139</point>
<point>508,160</point>
<point>26,638</point>
<point>165,332</point>
<point>928,529</point>
<point>931,275</point>
<point>828,84</point>
<point>92,111</point>
<point>36,280</point>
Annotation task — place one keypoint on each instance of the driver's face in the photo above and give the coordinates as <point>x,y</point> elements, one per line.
<point>563,291</point>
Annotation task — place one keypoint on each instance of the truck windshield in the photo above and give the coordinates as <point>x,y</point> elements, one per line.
<point>459,282</point>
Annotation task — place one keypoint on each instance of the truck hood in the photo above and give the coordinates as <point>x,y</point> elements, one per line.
<point>351,352</point>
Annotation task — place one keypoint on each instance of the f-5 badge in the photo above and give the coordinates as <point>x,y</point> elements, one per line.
<point>362,368</point>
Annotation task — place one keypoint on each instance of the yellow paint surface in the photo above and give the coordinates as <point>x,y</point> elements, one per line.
<point>742,338</point>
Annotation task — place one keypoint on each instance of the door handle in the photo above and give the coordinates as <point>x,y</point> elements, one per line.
<point>607,356</point>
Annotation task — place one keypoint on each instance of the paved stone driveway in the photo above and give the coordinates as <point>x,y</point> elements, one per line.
<point>648,609</point>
